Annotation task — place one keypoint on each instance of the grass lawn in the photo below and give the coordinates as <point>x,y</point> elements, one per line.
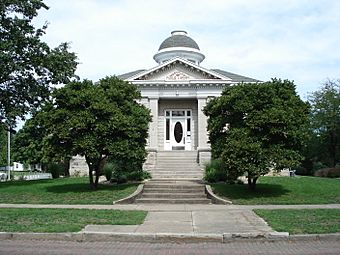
<point>61,191</point>
<point>283,190</point>
<point>303,221</point>
<point>64,220</point>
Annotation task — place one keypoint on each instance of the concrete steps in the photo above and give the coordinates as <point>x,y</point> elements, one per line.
<point>175,180</point>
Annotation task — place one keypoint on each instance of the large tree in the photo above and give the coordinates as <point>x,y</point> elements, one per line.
<point>325,123</point>
<point>28,66</point>
<point>257,127</point>
<point>98,121</point>
<point>3,146</point>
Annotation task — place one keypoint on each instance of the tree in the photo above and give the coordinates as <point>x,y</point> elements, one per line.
<point>254,128</point>
<point>28,66</point>
<point>3,146</point>
<point>325,122</point>
<point>99,121</point>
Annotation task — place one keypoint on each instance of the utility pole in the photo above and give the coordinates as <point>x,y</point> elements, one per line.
<point>9,152</point>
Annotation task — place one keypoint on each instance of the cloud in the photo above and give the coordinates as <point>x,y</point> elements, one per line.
<point>290,39</point>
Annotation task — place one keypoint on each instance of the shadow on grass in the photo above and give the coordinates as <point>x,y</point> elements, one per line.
<point>236,191</point>
<point>24,183</point>
<point>84,187</point>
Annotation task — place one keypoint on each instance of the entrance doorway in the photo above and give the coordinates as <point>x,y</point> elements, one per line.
<point>178,129</point>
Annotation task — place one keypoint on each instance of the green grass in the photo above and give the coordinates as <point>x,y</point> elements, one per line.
<point>61,191</point>
<point>302,221</point>
<point>283,190</point>
<point>64,220</point>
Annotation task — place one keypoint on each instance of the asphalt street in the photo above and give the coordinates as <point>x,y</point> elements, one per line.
<point>253,247</point>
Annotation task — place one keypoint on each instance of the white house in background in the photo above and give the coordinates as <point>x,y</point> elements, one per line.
<point>19,167</point>
<point>176,90</point>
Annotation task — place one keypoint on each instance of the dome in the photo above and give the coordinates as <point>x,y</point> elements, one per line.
<point>179,44</point>
<point>179,38</point>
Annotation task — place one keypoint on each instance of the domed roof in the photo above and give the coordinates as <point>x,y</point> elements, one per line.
<point>179,38</point>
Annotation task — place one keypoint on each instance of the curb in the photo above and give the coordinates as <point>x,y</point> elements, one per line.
<point>130,199</point>
<point>214,198</point>
<point>167,237</point>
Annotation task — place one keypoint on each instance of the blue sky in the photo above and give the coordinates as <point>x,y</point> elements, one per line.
<point>297,40</point>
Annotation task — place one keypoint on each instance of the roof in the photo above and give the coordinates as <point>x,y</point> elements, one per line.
<point>235,77</point>
<point>130,74</point>
<point>178,39</point>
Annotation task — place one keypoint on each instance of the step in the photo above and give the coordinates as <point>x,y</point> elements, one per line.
<point>173,201</point>
<point>172,174</point>
<point>164,170</point>
<point>172,186</point>
<point>174,195</point>
<point>171,191</point>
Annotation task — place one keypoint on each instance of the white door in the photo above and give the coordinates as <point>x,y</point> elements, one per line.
<point>177,129</point>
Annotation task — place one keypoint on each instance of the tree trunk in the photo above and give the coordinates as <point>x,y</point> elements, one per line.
<point>67,161</point>
<point>252,183</point>
<point>91,168</point>
<point>96,166</point>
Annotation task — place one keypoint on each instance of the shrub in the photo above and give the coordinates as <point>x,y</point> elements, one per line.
<point>328,172</point>
<point>55,169</point>
<point>138,175</point>
<point>108,169</point>
<point>318,165</point>
<point>300,170</point>
<point>214,171</point>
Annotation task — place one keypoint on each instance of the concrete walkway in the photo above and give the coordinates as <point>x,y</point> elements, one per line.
<point>186,219</point>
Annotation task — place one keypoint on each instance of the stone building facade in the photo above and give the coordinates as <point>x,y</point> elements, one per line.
<point>176,90</point>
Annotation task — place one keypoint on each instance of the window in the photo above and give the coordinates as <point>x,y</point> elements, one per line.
<point>167,130</point>
<point>188,124</point>
<point>178,113</point>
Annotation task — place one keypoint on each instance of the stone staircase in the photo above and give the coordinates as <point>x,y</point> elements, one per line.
<point>176,179</point>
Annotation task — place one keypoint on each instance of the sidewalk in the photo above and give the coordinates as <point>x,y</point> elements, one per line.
<point>186,222</point>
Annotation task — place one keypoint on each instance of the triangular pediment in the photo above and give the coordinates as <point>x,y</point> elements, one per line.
<point>178,69</point>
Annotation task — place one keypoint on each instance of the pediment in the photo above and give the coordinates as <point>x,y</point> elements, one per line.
<point>177,70</point>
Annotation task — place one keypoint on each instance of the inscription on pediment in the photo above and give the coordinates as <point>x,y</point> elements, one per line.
<point>177,76</point>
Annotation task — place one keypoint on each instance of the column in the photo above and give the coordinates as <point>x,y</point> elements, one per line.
<point>153,128</point>
<point>202,124</point>
<point>204,152</point>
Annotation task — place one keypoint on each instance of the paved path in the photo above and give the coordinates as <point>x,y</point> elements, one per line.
<point>186,219</point>
<point>26,247</point>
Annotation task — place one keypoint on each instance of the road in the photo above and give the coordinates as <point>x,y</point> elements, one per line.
<point>20,247</point>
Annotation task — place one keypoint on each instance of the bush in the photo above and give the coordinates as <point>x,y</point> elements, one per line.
<point>300,170</point>
<point>328,172</point>
<point>318,165</point>
<point>214,171</point>
<point>108,169</point>
<point>55,169</point>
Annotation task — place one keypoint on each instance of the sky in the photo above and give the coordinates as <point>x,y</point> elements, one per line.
<point>297,40</point>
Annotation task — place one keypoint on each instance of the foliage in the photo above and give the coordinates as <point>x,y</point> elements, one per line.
<point>283,190</point>
<point>27,144</point>
<point>254,128</point>
<point>28,65</point>
<point>59,220</point>
<point>62,191</point>
<point>108,169</point>
<point>324,144</point>
<point>99,121</point>
<point>55,169</point>
<point>328,172</point>
<point>302,221</point>
<point>3,146</point>
<point>30,145</point>
<point>215,171</point>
